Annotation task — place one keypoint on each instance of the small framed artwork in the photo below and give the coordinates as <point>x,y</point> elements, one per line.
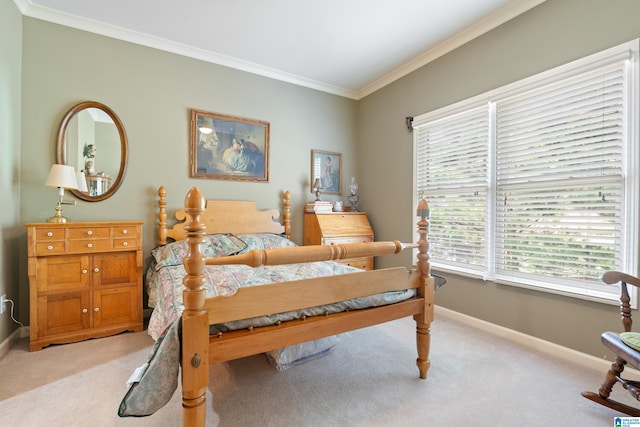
<point>228,148</point>
<point>327,167</point>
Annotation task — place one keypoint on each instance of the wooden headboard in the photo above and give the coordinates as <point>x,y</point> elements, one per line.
<point>226,216</point>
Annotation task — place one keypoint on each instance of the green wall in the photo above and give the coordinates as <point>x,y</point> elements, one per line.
<point>10,99</point>
<point>551,34</point>
<point>153,93</point>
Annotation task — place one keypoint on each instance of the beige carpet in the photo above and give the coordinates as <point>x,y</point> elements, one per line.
<point>369,379</point>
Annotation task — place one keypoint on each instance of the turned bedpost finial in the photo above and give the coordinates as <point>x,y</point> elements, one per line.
<point>194,261</point>
<point>423,242</point>
<point>162,215</point>
<point>286,217</point>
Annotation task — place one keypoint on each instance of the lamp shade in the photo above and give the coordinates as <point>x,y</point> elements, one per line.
<point>82,182</point>
<point>317,183</point>
<point>62,176</point>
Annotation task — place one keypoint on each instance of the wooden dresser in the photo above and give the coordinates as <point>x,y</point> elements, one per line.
<point>339,227</point>
<point>85,280</point>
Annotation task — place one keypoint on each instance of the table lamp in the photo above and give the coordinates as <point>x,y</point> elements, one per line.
<point>317,186</point>
<point>61,176</point>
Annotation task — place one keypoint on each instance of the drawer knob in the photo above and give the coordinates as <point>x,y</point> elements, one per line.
<point>125,243</point>
<point>84,310</point>
<point>89,232</point>
<point>97,309</point>
<point>49,248</point>
<point>90,245</point>
<point>125,231</point>
<point>96,270</point>
<point>84,271</point>
<point>49,234</point>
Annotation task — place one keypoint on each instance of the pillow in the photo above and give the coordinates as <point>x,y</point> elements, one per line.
<point>262,241</point>
<point>213,246</point>
<point>286,357</point>
<point>152,385</point>
<point>632,339</point>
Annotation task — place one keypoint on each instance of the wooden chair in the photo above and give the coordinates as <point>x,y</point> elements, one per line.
<point>624,354</point>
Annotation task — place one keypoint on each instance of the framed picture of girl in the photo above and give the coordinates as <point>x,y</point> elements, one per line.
<point>327,166</point>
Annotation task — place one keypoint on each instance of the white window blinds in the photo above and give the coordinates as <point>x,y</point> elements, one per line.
<point>535,184</point>
<point>559,180</point>
<point>453,158</point>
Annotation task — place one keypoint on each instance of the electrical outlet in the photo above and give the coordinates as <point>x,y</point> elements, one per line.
<point>3,299</point>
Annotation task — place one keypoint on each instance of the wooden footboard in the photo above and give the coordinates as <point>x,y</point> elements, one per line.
<point>199,349</point>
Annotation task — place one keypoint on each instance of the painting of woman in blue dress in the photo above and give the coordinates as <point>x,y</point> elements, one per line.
<point>328,167</point>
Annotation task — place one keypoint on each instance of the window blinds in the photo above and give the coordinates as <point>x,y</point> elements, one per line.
<point>559,179</point>
<point>452,155</point>
<point>533,184</point>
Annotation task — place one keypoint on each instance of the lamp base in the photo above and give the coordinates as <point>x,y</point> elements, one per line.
<point>58,218</point>
<point>353,200</point>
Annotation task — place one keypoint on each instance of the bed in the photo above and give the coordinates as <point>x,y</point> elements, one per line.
<point>214,329</point>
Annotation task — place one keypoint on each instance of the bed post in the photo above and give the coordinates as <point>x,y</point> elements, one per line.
<point>286,216</point>
<point>162,215</point>
<point>426,290</point>
<point>195,322</point>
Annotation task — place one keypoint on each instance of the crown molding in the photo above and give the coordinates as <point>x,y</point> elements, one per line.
<point>27,8</point>
<point>22,5</point>
<point>112,31</point>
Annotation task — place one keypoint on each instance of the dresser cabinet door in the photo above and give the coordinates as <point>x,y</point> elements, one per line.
<point>115,306</point>
<point>117,268</point>
<point>62,273</point>
<point>63,313</point>
<point>115,299</point>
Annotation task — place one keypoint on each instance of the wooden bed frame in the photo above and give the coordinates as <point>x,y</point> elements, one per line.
<point>199,349</point>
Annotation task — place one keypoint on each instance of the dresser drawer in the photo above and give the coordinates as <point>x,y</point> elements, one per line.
<point>89,232</point>
<point>124,231</point>
<point>49,248</point>
<point>90,245</point>
<point>47,234</point>
<point>342,240</point>
<point>126,243</point>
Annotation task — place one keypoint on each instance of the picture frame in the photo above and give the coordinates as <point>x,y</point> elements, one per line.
<point>327,166</point>
<point>228,147</point>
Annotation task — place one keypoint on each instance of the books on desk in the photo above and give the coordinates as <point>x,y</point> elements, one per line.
<point>318,206</point>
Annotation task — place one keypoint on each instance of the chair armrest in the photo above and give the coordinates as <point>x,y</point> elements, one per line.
<point>613,277</point>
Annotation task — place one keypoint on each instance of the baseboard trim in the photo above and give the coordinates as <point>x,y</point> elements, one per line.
<point>6,345</point>
<point>552,349</point>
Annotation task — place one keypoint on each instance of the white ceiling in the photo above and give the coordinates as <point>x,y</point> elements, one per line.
<point>346,47</point>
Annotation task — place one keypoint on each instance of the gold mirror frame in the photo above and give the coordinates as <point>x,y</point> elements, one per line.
<point>61,148</point>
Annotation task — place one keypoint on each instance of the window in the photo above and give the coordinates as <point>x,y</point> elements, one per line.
<point>535,184</point>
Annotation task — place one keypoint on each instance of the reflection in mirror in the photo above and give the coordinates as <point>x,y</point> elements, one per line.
<point>91,138</point>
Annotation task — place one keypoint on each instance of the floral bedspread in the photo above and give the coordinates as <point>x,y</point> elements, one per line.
<point>164,285</point>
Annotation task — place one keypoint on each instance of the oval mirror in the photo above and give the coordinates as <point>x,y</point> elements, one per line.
<point>92,139</point>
